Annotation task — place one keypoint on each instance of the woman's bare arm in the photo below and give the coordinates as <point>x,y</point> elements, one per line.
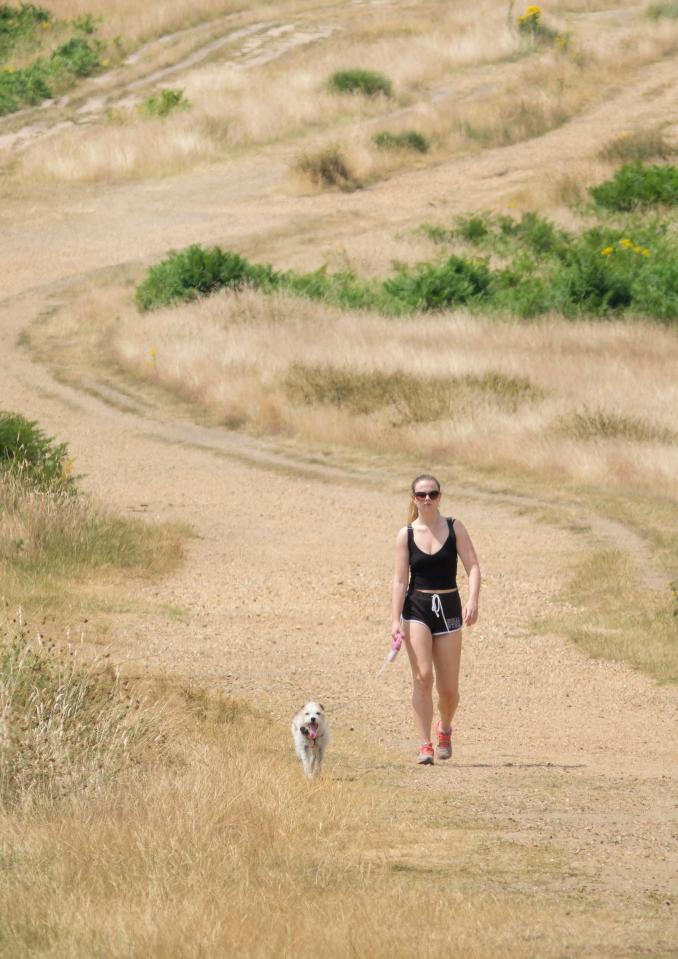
<point>401,577</point>
<point>468,557</point>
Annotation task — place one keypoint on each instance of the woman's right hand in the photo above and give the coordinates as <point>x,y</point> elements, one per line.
<point>395,628</point>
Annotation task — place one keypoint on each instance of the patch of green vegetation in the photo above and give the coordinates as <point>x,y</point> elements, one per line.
<point>51,532</point>
<point>19,28</point>
<point>531,25</point>
<point>658,10</point>
<point>407,140</point>
<point>431,286</point>
<point>46,76</point>
<point>196,272</point>
<point>535,267</point>
<point>368,83</point>
<point>588,424</point>
<point>621,620</point>
<point>413,399</point>
<point>162,104</point>
<point>36,459</point>
<point>637,185</point>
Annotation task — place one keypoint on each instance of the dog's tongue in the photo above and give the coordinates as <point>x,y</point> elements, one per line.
<point>312,732</point>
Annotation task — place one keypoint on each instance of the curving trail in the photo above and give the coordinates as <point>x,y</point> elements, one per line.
<point>285,590</point>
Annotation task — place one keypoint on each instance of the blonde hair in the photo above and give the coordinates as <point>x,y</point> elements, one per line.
<point>413,511</point>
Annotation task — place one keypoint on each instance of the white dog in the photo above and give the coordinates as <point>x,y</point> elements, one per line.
<point>311,736</point>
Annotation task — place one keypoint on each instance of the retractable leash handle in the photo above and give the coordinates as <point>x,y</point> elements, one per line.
<point>396,643</point>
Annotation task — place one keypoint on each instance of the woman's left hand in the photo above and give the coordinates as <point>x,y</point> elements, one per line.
<point>470,614</point>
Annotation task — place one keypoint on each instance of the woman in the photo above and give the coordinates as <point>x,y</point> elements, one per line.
<point>426,601</point>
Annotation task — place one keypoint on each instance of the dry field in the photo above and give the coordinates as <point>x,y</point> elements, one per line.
<point>284,434</point>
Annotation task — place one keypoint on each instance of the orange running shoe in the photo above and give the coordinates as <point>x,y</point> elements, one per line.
<point>444,750</point>
<point>425,757</point>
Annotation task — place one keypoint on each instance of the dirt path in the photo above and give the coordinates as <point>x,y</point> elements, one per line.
<point>285,590</point>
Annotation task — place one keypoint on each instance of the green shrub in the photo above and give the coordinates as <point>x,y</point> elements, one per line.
<point>18,27</point>
<point>31,455</point>
<point>342,289</point>
<point>365,82</point>
<point>408,140</point>
<point>530,24</point>
<point>430,286</point>
<point>164,103</point>
<point>40,80</point>
<point>636,185</point>
<point>328,168</point>
<point>77,56</point>
<point>196,272</point>
<point>668,10</point>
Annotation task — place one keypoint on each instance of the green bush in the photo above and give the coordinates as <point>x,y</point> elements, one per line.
<point>537,267</point>
<point>408,140</point>
<point>28,452</point>
<point>164,103</point>
<point>365,82</point>
<point>18,26</point>
<point>196,272</point>
<point>46,76</point>
<point>636,185</point>
<point>431,286</point>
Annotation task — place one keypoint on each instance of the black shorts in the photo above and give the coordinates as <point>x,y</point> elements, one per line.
<point>441,612</point>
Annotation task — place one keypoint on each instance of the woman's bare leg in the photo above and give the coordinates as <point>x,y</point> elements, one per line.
<point>419,645</point>
<point>446,656</point>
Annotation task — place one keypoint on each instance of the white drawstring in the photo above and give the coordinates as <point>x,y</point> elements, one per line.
<point>437,609</point>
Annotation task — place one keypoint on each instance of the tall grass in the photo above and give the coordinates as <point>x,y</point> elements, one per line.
<point>280,364</point>
<point>66,726</point>
<point>115,844</point>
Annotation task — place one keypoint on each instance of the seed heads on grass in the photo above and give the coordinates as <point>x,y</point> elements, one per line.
<point>597,424</point>
<point>638,146</point>
<point>329,167</point>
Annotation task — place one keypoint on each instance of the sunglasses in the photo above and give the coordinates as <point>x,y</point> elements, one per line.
<point>432,494</point>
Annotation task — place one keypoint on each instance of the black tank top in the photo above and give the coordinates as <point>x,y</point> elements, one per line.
<point>437,570</point>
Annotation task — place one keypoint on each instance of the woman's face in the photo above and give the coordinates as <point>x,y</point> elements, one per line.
<point>426,496</point>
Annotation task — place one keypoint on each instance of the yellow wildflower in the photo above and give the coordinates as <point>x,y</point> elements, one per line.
<point>607,251</point>
<point>626,243</point>
<point>45,24</point>
<point>644,251</point>
<point>153,352</point>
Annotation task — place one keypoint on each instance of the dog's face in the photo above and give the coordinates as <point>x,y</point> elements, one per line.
<point>311,720</point>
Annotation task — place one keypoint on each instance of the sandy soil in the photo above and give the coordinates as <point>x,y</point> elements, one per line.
<point>285,590</point>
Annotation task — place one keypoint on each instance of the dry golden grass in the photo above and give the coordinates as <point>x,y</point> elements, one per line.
<point>136,22</point>
<point>232,355</point>
<point>236,105</point>
<point>181,848</point>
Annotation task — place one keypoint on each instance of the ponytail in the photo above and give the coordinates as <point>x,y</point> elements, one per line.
<point>413,511</point>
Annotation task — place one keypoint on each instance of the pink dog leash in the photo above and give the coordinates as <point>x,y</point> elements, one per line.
<point>396,643</point>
